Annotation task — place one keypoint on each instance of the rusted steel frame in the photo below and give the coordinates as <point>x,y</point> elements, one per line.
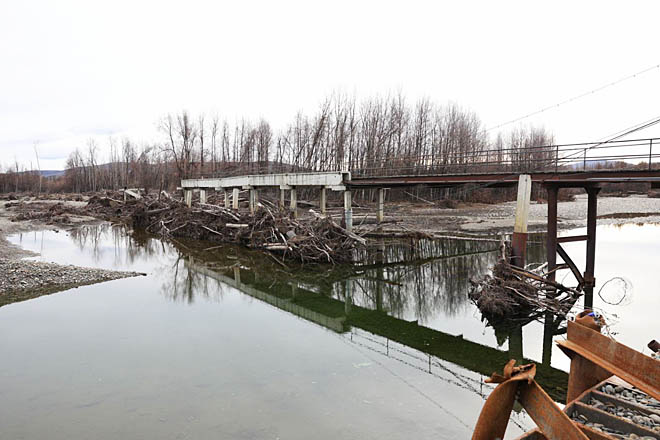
<point>518,382</point>
<point>564,178</point>
<point>571,265</point>
<point>589,279</point>
<point>584,344</point>
<point>572,238</point>
<point>551,420</point>
<point>551,240</point>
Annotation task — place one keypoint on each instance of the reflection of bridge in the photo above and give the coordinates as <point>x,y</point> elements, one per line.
<point>340,316</point>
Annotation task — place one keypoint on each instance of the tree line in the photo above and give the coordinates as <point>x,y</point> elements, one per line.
<point>373,136</point>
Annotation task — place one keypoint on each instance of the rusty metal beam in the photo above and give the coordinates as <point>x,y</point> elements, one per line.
<point>560,179</point>
<point>571,265</point>
<point>632,366</point>
<point>551,240</point>
<point>570,238</point>
<point>589,277</point>
<point>551,420</point>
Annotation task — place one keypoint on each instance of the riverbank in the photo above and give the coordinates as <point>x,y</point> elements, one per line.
<point>22,279</point>
<point>499,218</point>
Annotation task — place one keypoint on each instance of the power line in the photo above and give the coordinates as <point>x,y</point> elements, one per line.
<point>582,95</point>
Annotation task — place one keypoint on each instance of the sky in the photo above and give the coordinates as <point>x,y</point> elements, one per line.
<point>71,71</point>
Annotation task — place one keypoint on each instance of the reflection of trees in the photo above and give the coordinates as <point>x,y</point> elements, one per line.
<point>185,284</point>
<point>126,248</point>
<point>422,278</point>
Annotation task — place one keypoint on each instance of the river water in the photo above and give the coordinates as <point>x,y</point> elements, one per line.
<point>224,343</point>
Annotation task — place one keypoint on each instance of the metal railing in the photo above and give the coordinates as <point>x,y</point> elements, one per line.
<point>619,154</point>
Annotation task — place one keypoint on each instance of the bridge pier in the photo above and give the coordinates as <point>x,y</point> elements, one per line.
<point>226,195</point>
<point>187,195</point>
<point>282,198</point>
<point>589,273</point>
<point>380,216</point>
<point>294,202</point>
<point>553,246</point>
<point>519,239</point>
<point>348,210</point>
<point>234,199</point>
<point>202,196</point>
<point>323,201</point>
<point>253,200</point>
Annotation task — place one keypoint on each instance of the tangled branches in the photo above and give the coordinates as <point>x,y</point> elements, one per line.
<point>316,240</point>
<point>513,293</point>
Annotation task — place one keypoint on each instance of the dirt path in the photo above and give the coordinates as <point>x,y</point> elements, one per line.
<point>23,279</point>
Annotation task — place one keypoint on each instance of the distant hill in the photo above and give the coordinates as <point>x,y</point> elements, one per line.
<point>52,173</point>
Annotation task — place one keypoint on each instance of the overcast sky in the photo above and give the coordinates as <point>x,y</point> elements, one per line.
<point>73,70</point>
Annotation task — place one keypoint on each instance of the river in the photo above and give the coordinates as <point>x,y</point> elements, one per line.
<point>226,343</point>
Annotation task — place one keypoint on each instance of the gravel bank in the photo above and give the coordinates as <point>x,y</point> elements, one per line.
<point>23,279</point>
<point>481,218</point>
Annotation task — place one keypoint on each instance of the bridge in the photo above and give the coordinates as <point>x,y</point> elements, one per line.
<point>586,166</point>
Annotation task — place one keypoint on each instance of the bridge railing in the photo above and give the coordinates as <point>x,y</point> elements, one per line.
<point>638,153</point>
<point>620,154</point>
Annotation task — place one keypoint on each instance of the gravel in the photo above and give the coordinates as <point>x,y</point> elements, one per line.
<point>23,279</point>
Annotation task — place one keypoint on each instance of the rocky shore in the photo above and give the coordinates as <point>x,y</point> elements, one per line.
<point>24,279</point>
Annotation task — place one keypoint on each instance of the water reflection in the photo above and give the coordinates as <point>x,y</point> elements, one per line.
<point>404,291</point>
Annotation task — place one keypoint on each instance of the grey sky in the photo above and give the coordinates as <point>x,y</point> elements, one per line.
<point>72,70</point>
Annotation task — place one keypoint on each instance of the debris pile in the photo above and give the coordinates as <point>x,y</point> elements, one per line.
<point>318,240</point>
<point>512,293</point>
<point>312,240</point>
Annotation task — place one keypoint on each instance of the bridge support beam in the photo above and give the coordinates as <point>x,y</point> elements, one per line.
<point>348,211</point>
<point>187,195</point>
<point>323,200</point>
<point>282,198</point>
<point>519,239</point>
<point>227,201</point>
<point>589,273</point>
<point>551,240</point>
<point>380,216</point>
<point>202,196</point>
<point>294,202</point>
<point>234,199</point>
<point>253,200</point>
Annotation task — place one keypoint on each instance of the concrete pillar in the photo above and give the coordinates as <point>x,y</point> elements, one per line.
<point>253,200</point>
<point>282,198</point>
<point>323,201</point>
<point>294,202</point>
<point>234,198</point>
<point>519,239</point>
<point>188,197</point>
<point>380,216</point>
<point>202,196</point>
<point>227,201</point>
<point>348,211</point>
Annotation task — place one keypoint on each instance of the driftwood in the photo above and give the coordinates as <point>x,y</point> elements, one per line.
<point>311,240</point>
<point>512,293</point>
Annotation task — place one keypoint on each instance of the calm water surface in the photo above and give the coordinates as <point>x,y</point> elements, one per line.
<point>221,343</point>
